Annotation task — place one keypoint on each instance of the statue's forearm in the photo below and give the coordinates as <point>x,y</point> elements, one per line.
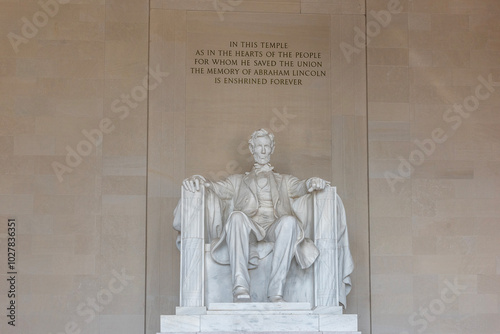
<point>222,189</point>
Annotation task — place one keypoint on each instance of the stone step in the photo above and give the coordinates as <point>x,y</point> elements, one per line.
<point>279,332</point>
<point>262,307</point>
<point>258,308</point>
<point>284,312</point>
<point>211,323</point>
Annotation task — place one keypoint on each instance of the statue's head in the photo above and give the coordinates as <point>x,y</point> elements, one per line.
<point>261,145</point>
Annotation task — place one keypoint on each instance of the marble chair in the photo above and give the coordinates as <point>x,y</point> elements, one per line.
<point>324,285</point>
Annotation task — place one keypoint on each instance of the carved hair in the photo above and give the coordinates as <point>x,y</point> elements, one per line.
<point>260,133</point>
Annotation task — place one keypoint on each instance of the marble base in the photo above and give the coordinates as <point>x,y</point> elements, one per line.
<point>259,318</point>
<point>273,332</point>
<point>259,308</point>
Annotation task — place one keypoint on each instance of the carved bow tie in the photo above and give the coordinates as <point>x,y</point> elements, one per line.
<point>262,168</point>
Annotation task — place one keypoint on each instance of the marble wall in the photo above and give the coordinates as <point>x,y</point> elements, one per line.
<point>415,117</point>
<point>80,236</point>
<point>434,170</point>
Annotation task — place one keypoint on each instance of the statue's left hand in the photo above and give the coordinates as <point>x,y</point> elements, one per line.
<point>316,183</point>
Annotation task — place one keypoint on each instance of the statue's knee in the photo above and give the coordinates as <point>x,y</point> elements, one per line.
<point>236,220</point>
<point>237,216</point>
<point>289,223</point>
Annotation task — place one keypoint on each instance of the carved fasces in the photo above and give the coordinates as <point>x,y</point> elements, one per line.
<point>192,248</point>
<point>326,285</point>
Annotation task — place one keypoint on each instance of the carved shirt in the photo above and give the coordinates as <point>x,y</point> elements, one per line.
<point>265,213</point>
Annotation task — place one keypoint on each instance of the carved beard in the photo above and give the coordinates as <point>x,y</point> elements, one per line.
<point>262,160</point>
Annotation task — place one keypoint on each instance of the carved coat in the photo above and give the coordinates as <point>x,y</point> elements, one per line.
<point>239,193</point>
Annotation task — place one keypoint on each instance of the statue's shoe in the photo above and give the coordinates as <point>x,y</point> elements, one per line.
<point>277,299</point>
<point>241,295</point>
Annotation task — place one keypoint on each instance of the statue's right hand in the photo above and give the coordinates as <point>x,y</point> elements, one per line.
<point>194,182</point>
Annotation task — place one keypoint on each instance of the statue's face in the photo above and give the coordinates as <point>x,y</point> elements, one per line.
<point>262,150</point>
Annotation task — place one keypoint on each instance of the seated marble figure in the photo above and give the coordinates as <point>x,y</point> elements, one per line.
<point>260,208</point>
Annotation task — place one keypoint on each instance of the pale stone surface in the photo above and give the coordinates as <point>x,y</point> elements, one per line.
<point>180,323</point>
<point>223,7</point>
<point>166,160</point>
<point>327,283</point>
<point>344,322</point>
<point>439,197</point>
<point>192,249</point>
<point>328,310</point>
<point>274,332</point>
<point>56,82</point>
<point>190,310</point>
<point>261,323</point>
<point>211,323</point>
<point>218,285</point>
<point>333,7</point>
<point>243,307</point>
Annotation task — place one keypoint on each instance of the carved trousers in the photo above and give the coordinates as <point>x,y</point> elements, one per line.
<point>283,232</point>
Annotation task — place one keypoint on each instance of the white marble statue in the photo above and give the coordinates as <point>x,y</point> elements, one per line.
<point>254,215</point>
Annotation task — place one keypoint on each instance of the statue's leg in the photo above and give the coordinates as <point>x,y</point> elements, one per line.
<point>284,234</point>
<point>238,240</point>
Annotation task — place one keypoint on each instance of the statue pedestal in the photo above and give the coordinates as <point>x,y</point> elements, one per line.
<point>260,318</point>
